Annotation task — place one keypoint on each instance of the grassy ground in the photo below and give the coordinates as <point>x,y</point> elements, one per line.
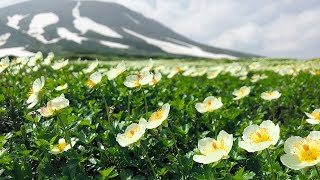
<point>96,115</point>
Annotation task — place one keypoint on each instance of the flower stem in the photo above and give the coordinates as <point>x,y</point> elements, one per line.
<point>149,161</point>
<point>272,110</point>
<point>129,93</point>
<point>64,130</point>
<point>177,149</point>
<point>271,165</point>
<point>145,102</point>
<point>106,105</point>
<point>315,166</point>
<point>227,167</point>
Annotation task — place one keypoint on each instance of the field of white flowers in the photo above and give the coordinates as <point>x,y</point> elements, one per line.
<point>251,119</point>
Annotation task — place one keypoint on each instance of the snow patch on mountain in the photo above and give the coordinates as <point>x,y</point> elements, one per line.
<point>85,24</point>
<point>114,44</point>
<point>13,21</point>
<point>68,35</point>
<point>132,19</point>
<point>179,42</point>
<point>15,51</point>
<point>4,38</point>
<point>39,22</point>
<point>178,49</point>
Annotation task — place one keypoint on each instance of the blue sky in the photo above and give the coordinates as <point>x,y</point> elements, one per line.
<point>286,28</point>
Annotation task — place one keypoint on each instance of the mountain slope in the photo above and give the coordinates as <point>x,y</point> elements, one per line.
<point>93,27</point>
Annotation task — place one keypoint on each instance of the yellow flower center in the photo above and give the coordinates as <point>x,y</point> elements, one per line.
<point>307,150</point>
<point>61,146</point>
<point>154,81</point>
<point>242,92</point>
<point>261,135</point>
<point>269,93</point>
<point>316,115</point>
<point>131,133</point>
<point>212,73</point>
<point>156,115</point>
<point>215,145</point>
<point>90,83</point>
<point>136,83</point>
<point>31,91</point>
<point>208,104</point>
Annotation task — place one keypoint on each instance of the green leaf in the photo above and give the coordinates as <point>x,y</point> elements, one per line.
<point>243,175</point>
<point>85,123</point>
<point>108,173</point>
<point>42,142</point>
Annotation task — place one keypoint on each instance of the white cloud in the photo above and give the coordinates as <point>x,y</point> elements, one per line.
<point>287,28</point>
<point>290,35</point>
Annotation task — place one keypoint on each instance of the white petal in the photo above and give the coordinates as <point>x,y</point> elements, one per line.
<point>210,158</point>
<point>201,108</point>
<point>204,144</point>
<point>55,150</point>
<point>248,131</point>
<point>246,146</point>
<point>227,138</point>
<point>314,135</point>
<point>291,162</point>
<point>122,140</point>
<point>33,103</point>
<point>67,147</point>
<point>313,121</point>
<point>309,115</point>
<point>288,144</point>
<point>32,98</point>
<point>209,98</point>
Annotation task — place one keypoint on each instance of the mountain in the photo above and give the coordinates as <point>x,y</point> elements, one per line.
<point>93,27</point>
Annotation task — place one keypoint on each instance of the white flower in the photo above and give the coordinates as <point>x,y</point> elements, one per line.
<point>138,80</point>
<point>48,59</point>
<point>21,60</point>
<point>62,146</point>
<point>158,117</point>
<point>91,67</point>
<point>132,134</point>
<point>54,105</point>
<point>213,73</point>
<point>37,86</point>
<point>59,102</point>
<point>257,138</point>
<point>115,72</point>
<point>254,66</point>
<point>60,64</point>
<point>33,60</point>
<point>213,150</point>
<point>242,92</point>
<point>156,78</point>
<point>95,79</point>
<point>314,117</point>
<point>302,152</point>
<point>209,104</point>
<point>270,95</point>
<point>149,66</point>
<point>4,64</point>
<point>255,78</point>
<point>61,87</point>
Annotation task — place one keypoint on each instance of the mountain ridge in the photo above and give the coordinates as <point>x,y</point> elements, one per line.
<point>96,27</point>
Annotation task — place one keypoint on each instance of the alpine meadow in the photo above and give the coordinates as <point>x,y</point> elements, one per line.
<point>65,119</point>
